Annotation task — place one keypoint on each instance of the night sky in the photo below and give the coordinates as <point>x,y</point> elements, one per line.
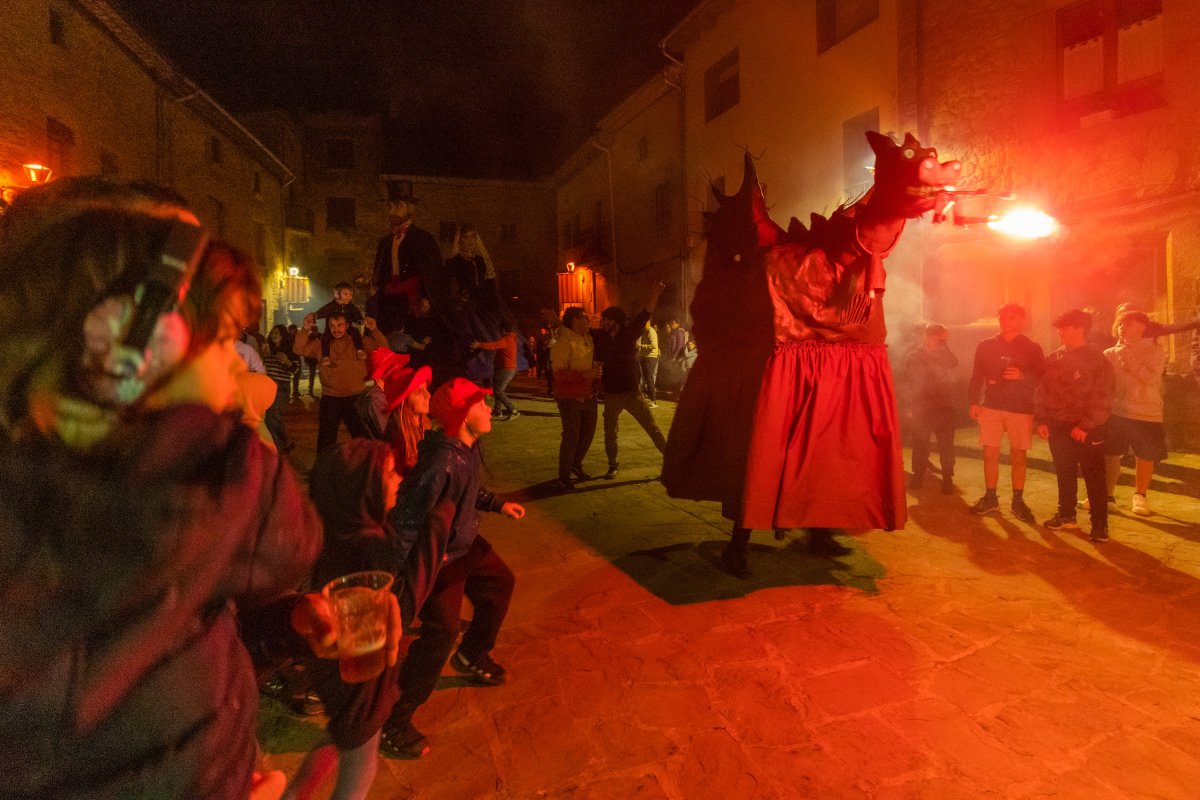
<point>470,88</point>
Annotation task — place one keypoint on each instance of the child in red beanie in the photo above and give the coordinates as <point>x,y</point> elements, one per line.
<point>437,523</point>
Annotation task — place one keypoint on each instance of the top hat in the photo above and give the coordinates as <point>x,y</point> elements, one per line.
<point>452,401</point>
<point>399,191</point>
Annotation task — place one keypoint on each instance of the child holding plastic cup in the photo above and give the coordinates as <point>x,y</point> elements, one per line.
<point>353,486</point>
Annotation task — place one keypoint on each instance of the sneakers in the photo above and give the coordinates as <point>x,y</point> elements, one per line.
<point>1140,506</point>
<point>1058,522</point>
<point>1022,511</point>
<point>482,670</point>
<point>1086,504</point>
<point>514,413</point>
<point>580,474</point>
<point>948,486</point>
<point>402,740</point>
<point>565,485</point>
<point>986,504</point>
<point>652,404</point>
<point>612,473</point>
<point>502,417</point>
<point>1099,535</point>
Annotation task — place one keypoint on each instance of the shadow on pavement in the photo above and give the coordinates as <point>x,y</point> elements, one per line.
<point>1130,591</point>
<point>691,573</point>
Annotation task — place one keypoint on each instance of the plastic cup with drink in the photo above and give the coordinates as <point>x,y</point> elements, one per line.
<point>360,605</point>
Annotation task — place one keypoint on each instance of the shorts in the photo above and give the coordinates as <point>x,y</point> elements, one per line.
<point>1148,440</point>
<point>993,424</point>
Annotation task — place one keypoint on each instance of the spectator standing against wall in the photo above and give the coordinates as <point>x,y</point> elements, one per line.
<point>1071,410</point>
<point>1004,377</point>
<point>929,371</point>
<point>1137,418</point>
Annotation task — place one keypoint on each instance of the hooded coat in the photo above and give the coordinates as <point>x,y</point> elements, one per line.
<point>121,670</point>
<point>348,489</point>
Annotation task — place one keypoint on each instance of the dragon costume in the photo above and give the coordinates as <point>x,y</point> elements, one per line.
<point>788,417</point>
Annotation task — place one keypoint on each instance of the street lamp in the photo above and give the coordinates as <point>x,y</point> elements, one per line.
<point>37,173</point>
<point>1024,222</point>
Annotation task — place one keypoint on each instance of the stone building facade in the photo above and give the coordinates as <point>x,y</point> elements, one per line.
<point>619,203</point>
<point>82,92</point>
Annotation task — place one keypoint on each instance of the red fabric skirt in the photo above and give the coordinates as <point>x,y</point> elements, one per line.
<point>824,447</point>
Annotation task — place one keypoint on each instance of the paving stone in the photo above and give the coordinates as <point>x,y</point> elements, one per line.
<point>962,658</point>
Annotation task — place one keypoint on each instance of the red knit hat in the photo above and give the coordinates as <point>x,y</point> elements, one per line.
<point>383,360</point>
<point>402,382</point>
<point>452,401</point>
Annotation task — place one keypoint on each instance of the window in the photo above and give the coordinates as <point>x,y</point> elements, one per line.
<point>447,230</point>
<point>214,150</point>
<point>108,163</point>
<point>58,28</point>
<point>663,205</point>
<point>643,148</point>
<point>339,153</point>
<point>508,231</point>
<point>857,155</point>
<point>840,19</point>
<point>721,91</point>
<point>339,213</point>
<point>60,142</point>
<point>1110,55</point>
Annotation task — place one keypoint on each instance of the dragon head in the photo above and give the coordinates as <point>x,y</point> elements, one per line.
<point>909,180</point>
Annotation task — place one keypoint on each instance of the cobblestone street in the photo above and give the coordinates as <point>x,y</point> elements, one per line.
<point>963,657</point>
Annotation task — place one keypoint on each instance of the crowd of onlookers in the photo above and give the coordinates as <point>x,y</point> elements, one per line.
<point>1096,399</point>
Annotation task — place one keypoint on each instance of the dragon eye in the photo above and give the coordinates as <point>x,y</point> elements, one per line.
<point>909,153</point>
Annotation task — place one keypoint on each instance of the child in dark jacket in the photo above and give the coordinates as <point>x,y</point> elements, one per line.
<point>445,558</point>
<point>343,295</point>
<point>353,486</point>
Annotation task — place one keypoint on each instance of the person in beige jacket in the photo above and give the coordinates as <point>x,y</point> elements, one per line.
<point>571,358</point>
<point>648,354</point>
<point>1137,416</point>
<point>343,378</point>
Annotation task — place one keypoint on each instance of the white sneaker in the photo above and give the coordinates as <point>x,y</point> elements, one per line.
<point>1140,506</point>
<point>1085,504</point>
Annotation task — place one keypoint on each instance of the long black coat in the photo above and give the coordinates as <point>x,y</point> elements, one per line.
<point>419,256</point>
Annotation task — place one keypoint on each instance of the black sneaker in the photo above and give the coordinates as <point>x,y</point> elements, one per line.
<point>483,669</point>
<point>565,485</point>
<point>948,486</point>
<point>1099,534</point>
<point>402,740</point>
<point>580,474</point>
<point>1058,522</point>
<point>1022,511</point>
<point>986,504</point>
<point>612,473</point>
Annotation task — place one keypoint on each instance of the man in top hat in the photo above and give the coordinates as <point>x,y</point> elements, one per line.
<point>408,262</point>
<point>437,522</point>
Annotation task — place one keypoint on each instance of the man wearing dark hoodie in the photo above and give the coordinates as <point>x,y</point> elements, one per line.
<point>444,557</point>
<point>136,513</point>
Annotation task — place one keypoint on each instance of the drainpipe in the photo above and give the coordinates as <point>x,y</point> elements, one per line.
<point>612,217</point>
<point>684,303</point>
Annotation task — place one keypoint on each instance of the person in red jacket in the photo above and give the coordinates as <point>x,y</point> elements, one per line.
<point>506,369</point>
